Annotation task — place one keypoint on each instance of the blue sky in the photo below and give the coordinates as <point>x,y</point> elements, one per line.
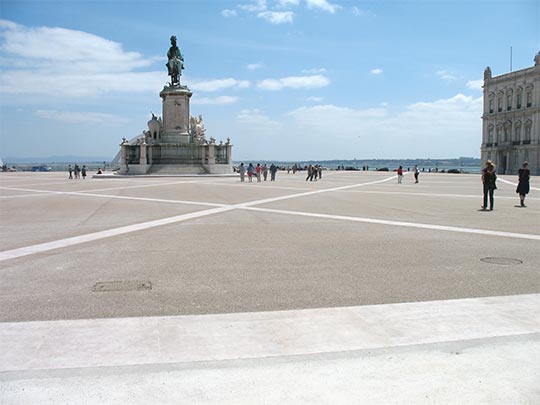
<point>284,79</point>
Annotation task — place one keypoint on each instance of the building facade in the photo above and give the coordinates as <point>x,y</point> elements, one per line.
<point>511,119</point>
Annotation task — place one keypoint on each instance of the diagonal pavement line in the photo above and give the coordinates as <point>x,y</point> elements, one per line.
<point>44,247</point>
<point>432,194</point>
<point>99,189</point>
<point>398,223</point>
<point>515,184</point>
<point>75,240</point>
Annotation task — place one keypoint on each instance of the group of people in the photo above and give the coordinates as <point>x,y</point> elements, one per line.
<point>489,179</point>
<point>314,172</point>
<point>257,172</point>
<point>76,172</point>
<point>416,172</point>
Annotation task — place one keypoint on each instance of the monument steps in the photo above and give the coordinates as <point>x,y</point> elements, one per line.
<point>177,169</point>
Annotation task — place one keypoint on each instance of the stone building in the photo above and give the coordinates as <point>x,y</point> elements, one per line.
<point>511,119</point>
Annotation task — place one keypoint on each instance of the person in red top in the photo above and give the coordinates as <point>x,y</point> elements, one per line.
<point>258,170</point>
<point>399,174</point>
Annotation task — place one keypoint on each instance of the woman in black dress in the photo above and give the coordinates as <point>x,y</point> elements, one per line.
<point>523,186</point>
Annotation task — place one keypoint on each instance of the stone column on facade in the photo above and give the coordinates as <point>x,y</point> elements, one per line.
<point>229,151</point>
<point>142,155</point>
<point>211,154</point>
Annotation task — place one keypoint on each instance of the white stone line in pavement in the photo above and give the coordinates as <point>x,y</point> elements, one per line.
<point>431,194</point>
<point>75,240</point>
<point>44,247</point>
<point>399,223</point>
<point>515,184</point>
<point>41,194</point>
<point>98,189</point>
<point>49,345</point>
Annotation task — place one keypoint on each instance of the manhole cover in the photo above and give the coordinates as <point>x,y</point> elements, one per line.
<point>505,261</point>
<point>122,286</point>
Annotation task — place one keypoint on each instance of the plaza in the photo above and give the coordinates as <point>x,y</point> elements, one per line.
<point>204,289</point>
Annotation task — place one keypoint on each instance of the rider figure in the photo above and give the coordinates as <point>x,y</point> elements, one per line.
<point>175,63</point>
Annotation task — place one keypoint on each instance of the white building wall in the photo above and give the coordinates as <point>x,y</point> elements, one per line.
<point>507,152</point>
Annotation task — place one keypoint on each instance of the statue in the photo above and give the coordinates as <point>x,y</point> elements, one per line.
<point>175,62</point>
<point>537,59</point>
<point>487,73</point>
<point>197,129</point>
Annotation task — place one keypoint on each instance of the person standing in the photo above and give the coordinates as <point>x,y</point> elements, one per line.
<point>265,172</point>
<point>258,172</point>
<point>250,171</point>
<point>83,172</point>
<point>523,187</point>
<point>416,173</point>
<point>242,171</point>
<point>70,170</point>
<point>273,170</point>
<point>399,174</point>
<point>489,179</point>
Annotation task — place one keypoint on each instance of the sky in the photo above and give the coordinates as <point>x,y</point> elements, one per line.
<point>283,79</point>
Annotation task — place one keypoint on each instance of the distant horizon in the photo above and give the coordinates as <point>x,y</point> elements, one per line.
<point>68,159</point>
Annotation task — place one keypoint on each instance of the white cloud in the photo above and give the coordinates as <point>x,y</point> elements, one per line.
<point>294,82</point>
<point>74,117</point>
<point>314,71</point>
<point>475,84</point>
<point>218,84</point>
<point>314,99</point>
<point>277,17</point>
<point>376,71</point>
<point>68,63</point>
<point>287,3</point>
<point>357,11</point>
<point>255,5</point>
<point>446,75</point>
<point>214,101</point>
<point>229,13</point>
<point>257,121</point>
<point>451,126</point>
<point>254,66</point>
<point>323,5</point>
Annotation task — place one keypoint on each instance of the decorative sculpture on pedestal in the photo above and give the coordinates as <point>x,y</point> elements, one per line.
<point>175,62</point>
<point>176,142</point>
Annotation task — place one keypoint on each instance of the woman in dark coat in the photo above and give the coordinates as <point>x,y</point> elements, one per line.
<point>523,186</point>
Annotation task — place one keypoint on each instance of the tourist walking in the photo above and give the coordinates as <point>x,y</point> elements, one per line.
<point>523,187</point>
<point>265,171</point>
<point>416,173</point>
<point>399,174</point>
<point>258,172</point>
<point>70,170</point>
<point>242,171</point>
<point>273,170</point>
<point>250,171</point>
<point>77,171</point>
<point>489,179</point>
<point>319,171</point>
<point>83,172</point>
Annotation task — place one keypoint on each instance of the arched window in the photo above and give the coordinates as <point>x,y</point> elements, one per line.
<point>490,135</point>
<point>509,99</point>
<point>507,130</point>
<point>529,96</point>
<point>500,96</point>
<point>527,134</point>
<point>491,98</point>
<point>519,98</point>
<point>517,132</point>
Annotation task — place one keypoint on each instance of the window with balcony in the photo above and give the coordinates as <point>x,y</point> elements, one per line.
<point>517,135</point>
<point>499,104</point>
<point>509,101</point>
<point>519,100</point>
<point>529,99</point>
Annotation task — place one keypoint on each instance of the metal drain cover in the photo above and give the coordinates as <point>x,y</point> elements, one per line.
<point>122,286</point>
<point>504,261</point>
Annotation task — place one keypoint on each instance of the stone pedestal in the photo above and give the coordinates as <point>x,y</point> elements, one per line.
<point>176,115</point>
